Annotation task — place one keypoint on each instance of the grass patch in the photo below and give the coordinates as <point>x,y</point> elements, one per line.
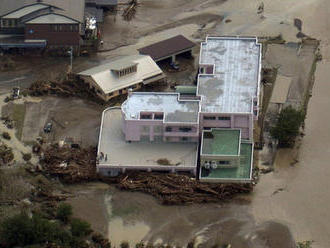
<point>18,118</point>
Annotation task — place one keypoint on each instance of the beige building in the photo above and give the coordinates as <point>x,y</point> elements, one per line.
<point>117,77</point>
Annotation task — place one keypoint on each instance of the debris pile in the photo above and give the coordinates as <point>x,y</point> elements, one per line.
<point>72,165</point>
<point>174,189</point>
<point>130,11</point>
<point>67,88</point>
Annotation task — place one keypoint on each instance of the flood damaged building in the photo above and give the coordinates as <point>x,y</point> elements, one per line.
<point>121,74</point>
<point>219,119</point>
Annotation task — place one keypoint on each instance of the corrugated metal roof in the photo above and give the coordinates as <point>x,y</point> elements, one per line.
<point>281,89</point>
<point>167,47</point>
<point>52,19</point>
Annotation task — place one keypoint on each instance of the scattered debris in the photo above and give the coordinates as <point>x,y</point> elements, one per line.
<point>278,191</point>
<point>305,244</point>
<point>163,161</point>
<point>260,8</point>
<point>266,170</point>
<point>174,189</point>
<point>72,165</point>
<point>298,24</point>
<point>130,11</point>
<point>67,88</point>
<point>228,21</point>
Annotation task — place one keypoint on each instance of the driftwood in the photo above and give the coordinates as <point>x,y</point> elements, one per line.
<point>72,165</point>
<point>130,11</point>
<point>174,189</point>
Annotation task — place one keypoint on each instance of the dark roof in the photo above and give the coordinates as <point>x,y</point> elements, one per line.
<point>167,47</point>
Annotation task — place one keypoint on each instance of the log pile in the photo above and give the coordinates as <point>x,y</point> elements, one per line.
<point>174,189</point>
<point>72,165</point>
<point>130,11</point>
<point>67,88</point>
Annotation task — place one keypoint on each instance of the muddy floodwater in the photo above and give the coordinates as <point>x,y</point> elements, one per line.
<point>132,217</point>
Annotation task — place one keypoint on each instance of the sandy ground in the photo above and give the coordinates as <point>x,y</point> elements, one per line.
<point>71,118</point>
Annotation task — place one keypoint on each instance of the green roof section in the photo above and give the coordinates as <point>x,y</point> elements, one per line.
<point>242,172</point>
<point>221,142</point>
<point>187,90</point>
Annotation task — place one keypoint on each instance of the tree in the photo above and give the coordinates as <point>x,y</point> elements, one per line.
<point>64,212</point>
<point>80,228</point>
<point>287,126</point>
<point>17,230</point>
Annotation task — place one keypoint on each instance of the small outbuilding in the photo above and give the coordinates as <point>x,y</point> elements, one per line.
<point>169,48</point>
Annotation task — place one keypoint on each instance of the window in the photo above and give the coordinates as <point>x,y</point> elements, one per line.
<point>71,28</point>
<point>146,116</point>
<point>222,162</point>
<point>184,139</point>
<point>168,129</point>
<point>185,129</point>
<point>159,116</point>
<point>60,27</point>
<point>224,118</point>
<point>55,28</point>
<point>209,118</point>
<point>202,70</point>
<point>255,112</point>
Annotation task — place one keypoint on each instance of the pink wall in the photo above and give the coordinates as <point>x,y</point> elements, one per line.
<point>241,121</point>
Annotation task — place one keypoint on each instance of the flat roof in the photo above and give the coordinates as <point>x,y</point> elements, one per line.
<point>167,47</point>
<point>242,172</point>
<point>235,82</point>
<point>221,142</point>
<point>26,10</point>
<point>281,89</point>
<point>136,154</point>
<point>174,109</point>
<point>108,81</point>
<point>52,18</point>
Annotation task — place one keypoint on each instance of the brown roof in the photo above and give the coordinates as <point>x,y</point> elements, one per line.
<point>167,47</point>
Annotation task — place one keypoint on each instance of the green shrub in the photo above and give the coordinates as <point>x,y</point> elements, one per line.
<point>17,230</point>
<point>27,156</point>
<point>6,135</point>
<point>80,228</point>
<point>64,212</point>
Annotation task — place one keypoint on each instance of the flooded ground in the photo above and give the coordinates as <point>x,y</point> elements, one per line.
<point>134,217</point>
<point>293,199</point>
